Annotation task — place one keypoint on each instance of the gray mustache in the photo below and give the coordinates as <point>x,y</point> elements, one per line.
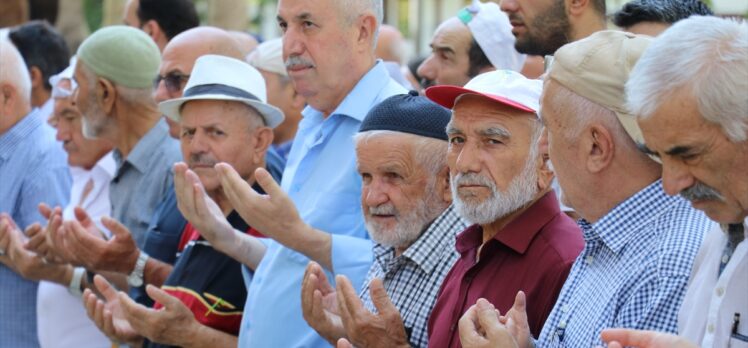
<point>384,209</point>
<point>472,179</point>
<point>298,62</point>
<point>700,192</point>
<point>201,160</point>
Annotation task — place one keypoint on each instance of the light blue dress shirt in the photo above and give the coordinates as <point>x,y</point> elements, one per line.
<point>33,169</point>
<point>321,179</point>
<point>632,272</point>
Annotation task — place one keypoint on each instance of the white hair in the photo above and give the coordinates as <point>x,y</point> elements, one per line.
<point>352,9</point>
<point>13,69</point>
<point>706,56</point>
<point>583,112</point>
<point>430,153</point>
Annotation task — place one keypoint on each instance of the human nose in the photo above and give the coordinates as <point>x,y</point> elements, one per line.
<point>508,5</point>
<point>427,69</point>
<point>675,178</point>
<point>374,194</point>
<point>468,160</point>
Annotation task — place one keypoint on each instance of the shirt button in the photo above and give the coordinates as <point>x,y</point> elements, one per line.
<point>589,260</point>
<point>720,291</point>
<point>562,324</point>
<point>710,328</point>
<point>565,308</point>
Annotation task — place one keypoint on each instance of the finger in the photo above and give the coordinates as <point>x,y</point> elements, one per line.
<point>520,302</point>
<point>134,313</point>
<point>381,300</point>
<point>89,302</point>
<point>162,297</point>
<point>45,210</point>
<point>350,299</point>
<point>469,326</point>
<point>308,285</point>
<point>37,241</point>
<point>82,216</point>
<point>322,283</point>
<point>33,229</point>
<point>268,184</point>
<point>183,190</point>
<point>629,337</point>
<point>108,321</point>
<point>119,231</point>
<point>343,343</point>
<point>105,289</point>
<point>486,313</point>
<point>236,189</point>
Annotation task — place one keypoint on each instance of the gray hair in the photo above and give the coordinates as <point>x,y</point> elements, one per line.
<point>582,112</point>
<point>13,69</point>
<point>430,153</point>
<point>352,9</point>
<point>705,56</point>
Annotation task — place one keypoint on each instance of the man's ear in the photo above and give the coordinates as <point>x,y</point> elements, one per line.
<point>263,139</point>
<point>37,78</point>
<point>577,7</point>
<point>106,94</point>
<point>601,148</point>
<point>367,26</point>
<point>545,173</point>
<point>442,185</point>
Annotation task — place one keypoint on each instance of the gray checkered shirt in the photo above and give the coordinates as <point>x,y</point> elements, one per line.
<point>412,280</point>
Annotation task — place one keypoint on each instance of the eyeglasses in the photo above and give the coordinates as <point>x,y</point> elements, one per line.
<point>172,80</point>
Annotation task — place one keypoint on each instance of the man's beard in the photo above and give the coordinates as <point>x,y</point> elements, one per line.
<point>521,190</point>
<point>408,227</point>
<point>94,121</point>
<point>547,33</point>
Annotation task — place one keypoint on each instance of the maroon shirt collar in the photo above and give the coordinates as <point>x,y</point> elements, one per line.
<point>518,233</point>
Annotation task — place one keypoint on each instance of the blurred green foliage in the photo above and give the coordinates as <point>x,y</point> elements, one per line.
<point>94,12</point>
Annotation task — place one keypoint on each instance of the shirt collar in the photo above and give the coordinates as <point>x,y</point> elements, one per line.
<point>518,233</point>
<point>438,237</point>
<point>19,132</point>
<point>622,223</point>
<point>361,98</point>
<point>142,153</point>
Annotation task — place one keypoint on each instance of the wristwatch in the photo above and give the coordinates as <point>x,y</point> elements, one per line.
<point>74,288</point>
<point>135,279</point>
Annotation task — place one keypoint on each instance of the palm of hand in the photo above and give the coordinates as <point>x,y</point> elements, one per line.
<point>122,327</point>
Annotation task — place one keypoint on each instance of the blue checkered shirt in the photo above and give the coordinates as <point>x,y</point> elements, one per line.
<point>33,169</point>
<point>632,272</point>
<point>412,280</point>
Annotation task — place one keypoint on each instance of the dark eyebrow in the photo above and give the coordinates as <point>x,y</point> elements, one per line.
<point>678,150</point>
<point>445,49</point>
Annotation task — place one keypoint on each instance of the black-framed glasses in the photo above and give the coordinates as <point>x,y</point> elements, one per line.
<point>174,81</point>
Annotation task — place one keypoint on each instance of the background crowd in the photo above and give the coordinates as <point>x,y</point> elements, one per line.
<point>546,176</point>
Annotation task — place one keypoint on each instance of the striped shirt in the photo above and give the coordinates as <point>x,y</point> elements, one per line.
<point>632,272</point>
<point>33,169</point>
<point>412,280</point>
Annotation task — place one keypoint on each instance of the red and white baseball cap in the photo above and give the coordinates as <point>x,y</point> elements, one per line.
<point>504,86</point>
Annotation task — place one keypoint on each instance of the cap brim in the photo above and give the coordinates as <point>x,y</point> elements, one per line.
<point>272,115</point>
<point>446,96</point>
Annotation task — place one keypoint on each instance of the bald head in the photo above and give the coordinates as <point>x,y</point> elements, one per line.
<point>246,42</point>
<point>179,57</point>
<point>390,45</point>
<point>15,85</point>
<point>193,43</point>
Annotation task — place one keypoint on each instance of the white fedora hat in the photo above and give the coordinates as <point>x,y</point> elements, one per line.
<point>223,78</point>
